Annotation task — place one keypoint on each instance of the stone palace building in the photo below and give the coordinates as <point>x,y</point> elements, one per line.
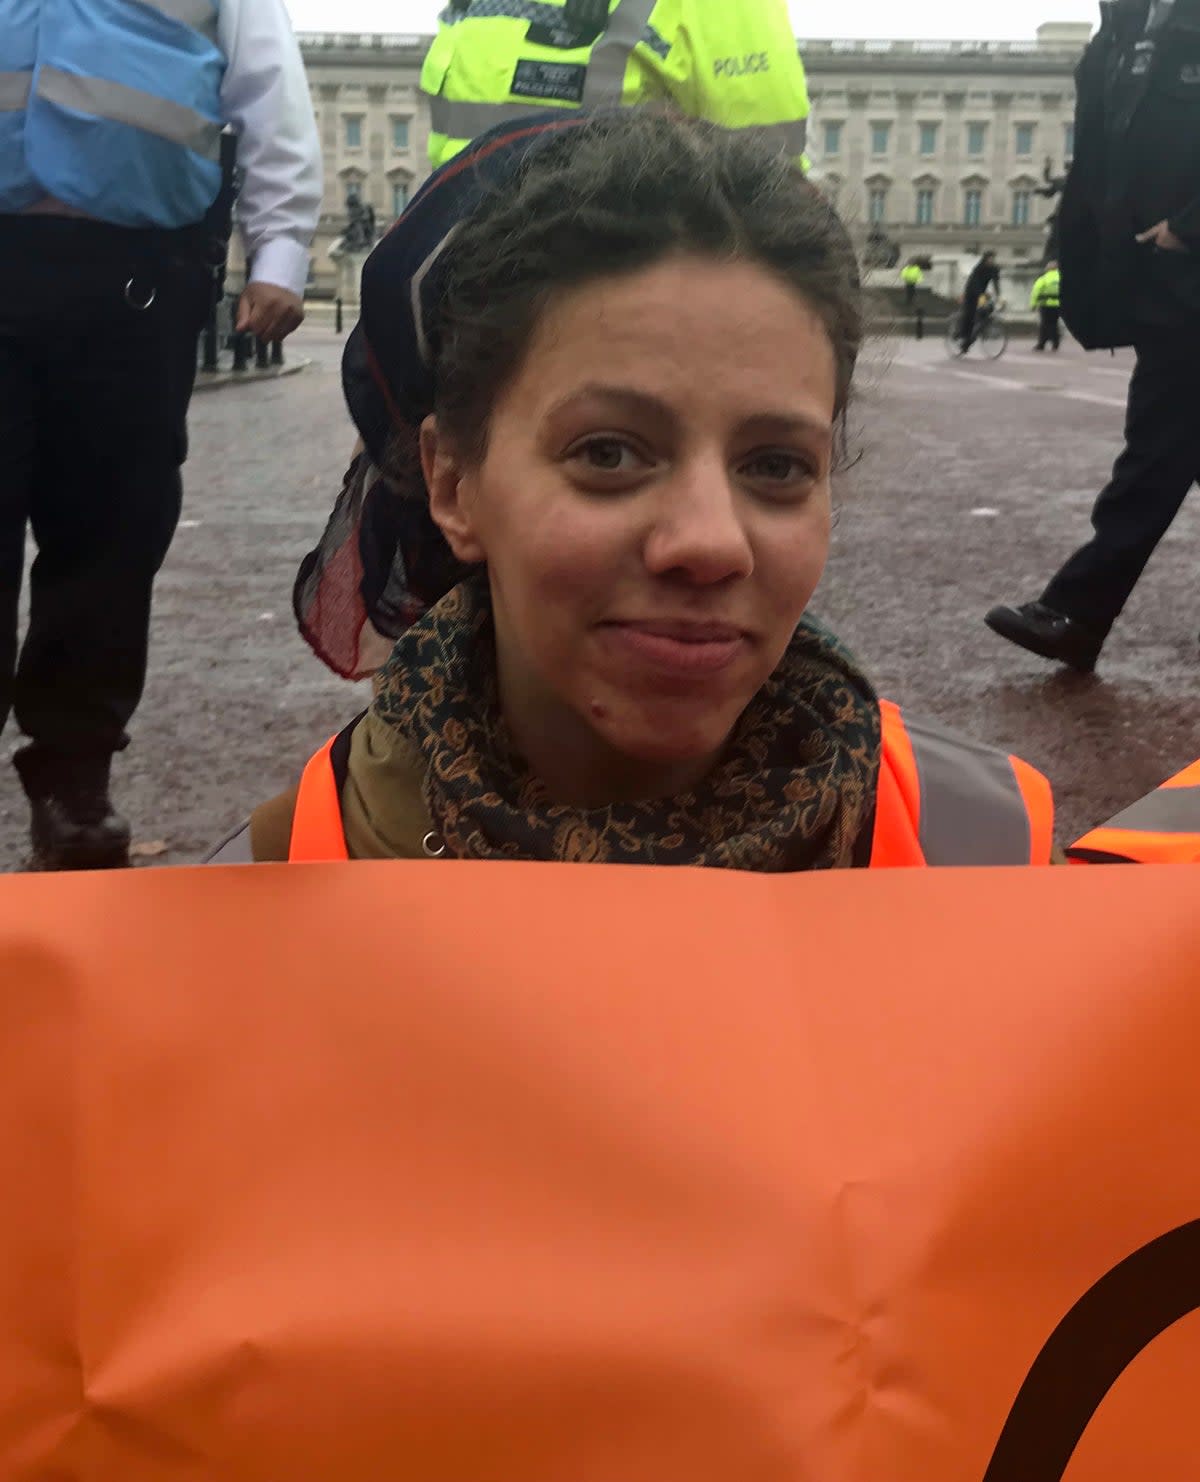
<point>940,144</point>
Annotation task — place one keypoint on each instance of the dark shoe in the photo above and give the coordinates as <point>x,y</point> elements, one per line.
<point>73,825</point>
<point>1051,634</point>
<point>1039,348</point>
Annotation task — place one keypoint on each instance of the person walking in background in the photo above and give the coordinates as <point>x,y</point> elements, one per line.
<point>110,143</point>
<point>733,64</point>
<point>1130,250</point>
<point>982,279</point>
<point>912,277</point>
<point>1045,299</point>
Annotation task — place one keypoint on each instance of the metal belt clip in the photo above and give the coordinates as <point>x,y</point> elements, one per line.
<point>135,303</point>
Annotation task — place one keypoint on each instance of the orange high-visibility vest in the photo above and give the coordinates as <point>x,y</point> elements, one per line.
<point>1161,828</point>
<point>941,800</point>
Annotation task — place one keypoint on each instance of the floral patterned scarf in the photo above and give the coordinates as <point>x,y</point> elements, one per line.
<point>795,790</point>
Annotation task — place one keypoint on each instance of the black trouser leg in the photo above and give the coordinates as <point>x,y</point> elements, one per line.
<point>1055,319</point>
<point>1151,478</point>
<point>966,325</point>
<point>16,473</point>
<point>1047,328</point>
<point>113,383</point>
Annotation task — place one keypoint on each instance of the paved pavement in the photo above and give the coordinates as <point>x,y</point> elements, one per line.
<point>973,481</point>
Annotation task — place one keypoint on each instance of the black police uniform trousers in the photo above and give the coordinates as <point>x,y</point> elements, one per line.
<point>1048,331</point>
<point>967,322</point>
<point>98,332</point>
<point>1151,478</point>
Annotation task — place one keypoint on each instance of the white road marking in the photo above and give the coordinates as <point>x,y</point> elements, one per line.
<point>1007,383</point>
<point>1100,401</point>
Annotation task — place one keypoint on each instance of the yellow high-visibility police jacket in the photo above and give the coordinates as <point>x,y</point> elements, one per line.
<point>1046,290</point>
<point>732,62</point>
<point>912,274</point>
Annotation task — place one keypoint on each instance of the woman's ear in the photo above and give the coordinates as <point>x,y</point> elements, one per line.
<point>448,482</point>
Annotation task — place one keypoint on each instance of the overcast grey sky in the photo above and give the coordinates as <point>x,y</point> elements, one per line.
<point>924,19</point>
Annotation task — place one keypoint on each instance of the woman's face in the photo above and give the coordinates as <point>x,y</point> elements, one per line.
<point>654,511</point>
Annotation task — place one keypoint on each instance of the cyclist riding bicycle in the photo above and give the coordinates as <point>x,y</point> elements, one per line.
<point>983,278</point>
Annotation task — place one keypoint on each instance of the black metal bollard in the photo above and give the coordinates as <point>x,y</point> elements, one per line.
<point>241,351</point>
<point>337,317</point>
<point>277,353</point>
<point>209,363</point>
<point>920,323</point>
<point>262,354</point>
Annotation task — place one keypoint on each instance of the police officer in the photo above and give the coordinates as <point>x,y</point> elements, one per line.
<point>1130,252</point>
<point>110,126</point>
<point>1045,299</point>
<point>912,276</point>
<point>734,64</point>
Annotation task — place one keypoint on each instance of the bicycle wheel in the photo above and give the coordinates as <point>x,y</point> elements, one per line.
<point>993,340</point>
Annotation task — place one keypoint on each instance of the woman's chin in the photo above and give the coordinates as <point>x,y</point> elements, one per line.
<point>667,738</point>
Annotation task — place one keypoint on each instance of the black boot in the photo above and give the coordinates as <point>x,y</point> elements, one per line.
<point>73,825</point>
<point>1050,634</point>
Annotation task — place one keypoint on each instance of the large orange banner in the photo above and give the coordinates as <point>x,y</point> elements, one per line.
<point>512,1173</point>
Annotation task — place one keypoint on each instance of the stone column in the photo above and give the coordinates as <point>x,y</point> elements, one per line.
<point>905,205</point>
<point>1003,147</point>
<point>855,145</point>
<point>377,123</point>
<point>955,147</point>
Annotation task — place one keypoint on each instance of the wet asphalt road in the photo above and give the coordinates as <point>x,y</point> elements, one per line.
<point>973,482</point>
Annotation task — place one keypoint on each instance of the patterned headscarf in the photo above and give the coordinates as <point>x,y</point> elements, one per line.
<point>382,561</point>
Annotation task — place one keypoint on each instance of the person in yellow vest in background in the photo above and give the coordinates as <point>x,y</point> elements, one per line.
<point>912,277</point>
<point>1045,299</point>
<point>732,62</point>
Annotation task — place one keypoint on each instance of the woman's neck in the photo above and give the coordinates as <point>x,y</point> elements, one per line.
<point>604,777</point>
<point>578,767</point>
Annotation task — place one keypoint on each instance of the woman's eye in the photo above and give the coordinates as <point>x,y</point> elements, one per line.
<point>779,467</point>
<point>608,455</point>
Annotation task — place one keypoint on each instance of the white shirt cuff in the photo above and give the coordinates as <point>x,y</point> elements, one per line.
<point>284,262</point>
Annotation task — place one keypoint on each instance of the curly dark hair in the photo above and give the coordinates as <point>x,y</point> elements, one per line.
<point>610,196</point>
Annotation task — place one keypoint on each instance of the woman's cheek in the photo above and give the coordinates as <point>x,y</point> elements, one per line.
<point>797,564</point>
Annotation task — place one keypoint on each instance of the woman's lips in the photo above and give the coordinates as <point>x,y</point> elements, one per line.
<point>678,649</point>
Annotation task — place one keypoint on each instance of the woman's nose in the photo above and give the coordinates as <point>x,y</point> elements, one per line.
<point>698,529</point>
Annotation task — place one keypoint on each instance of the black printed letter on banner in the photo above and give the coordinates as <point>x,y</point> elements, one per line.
<point>1089,1351</point>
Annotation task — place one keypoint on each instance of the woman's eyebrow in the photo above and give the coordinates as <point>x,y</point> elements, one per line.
<point>786,424</point>
<point>644,403</point>
<point>639,403</point>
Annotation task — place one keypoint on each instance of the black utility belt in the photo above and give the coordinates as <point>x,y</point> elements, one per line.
<point>44,229</point>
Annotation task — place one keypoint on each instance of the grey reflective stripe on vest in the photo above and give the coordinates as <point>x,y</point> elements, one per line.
<point>972,808</point>
<point>603,87</point>
<point>1170,810</point>
<point>610,56</point>
<point>200,15</point>
<point>236,849</point>
<point>120,104</point>
<point>787,138</point>
<point>14,91</point>
<point>469,120</point>
<point>528,10</point>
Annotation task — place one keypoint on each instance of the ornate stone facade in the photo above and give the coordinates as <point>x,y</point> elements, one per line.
<point>374,130</point>
<point>942,143</point>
